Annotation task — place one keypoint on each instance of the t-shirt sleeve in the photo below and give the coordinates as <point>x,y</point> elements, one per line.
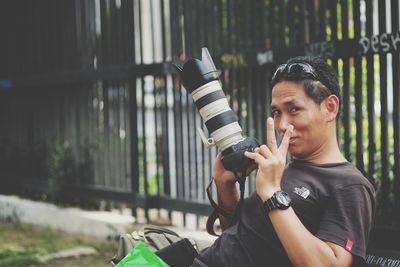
<point>347,219</point>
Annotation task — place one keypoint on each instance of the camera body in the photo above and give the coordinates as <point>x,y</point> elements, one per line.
<point>201,79</point>
<point>233,157</point>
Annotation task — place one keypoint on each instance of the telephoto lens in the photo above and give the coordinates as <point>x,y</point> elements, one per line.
<point>201,79</point>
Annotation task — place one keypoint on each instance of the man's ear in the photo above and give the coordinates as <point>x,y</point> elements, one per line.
<point>332,107</point>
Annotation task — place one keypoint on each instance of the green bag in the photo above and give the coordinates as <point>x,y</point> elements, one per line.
<point>154,237</point>
<point>141,256</point>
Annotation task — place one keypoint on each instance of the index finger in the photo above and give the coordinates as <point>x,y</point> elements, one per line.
<point>271,139</point>
<point>283,148</point>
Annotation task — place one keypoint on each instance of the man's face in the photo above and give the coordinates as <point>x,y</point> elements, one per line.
<point>291,105</point>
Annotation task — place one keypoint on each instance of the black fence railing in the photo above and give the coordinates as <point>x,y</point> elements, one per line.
<point>89,101</point>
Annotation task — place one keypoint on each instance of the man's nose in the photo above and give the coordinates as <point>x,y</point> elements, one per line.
<point>283,124</point>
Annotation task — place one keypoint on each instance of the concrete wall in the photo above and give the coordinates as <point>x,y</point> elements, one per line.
<point>103,225</point>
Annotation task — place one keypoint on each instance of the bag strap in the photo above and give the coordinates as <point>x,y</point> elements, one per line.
<point>158,229</point>
<point>160,236</point>
<point>158,240</point>
<point>126,243</point>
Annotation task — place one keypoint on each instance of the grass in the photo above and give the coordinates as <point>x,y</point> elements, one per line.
<point>20,244</point>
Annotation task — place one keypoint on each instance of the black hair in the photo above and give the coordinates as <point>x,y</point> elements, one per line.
<point>317,89</point>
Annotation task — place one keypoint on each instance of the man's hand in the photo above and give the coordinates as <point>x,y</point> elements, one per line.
<point>271,162</point>
<point>220,174</point>
<point>223,176</point>
<point>228,195</point>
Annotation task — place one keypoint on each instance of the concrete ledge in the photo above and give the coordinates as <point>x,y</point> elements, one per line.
<point>71,220</point>
<point>68,253</point>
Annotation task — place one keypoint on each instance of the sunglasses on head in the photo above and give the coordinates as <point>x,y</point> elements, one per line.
<point>295,70</point>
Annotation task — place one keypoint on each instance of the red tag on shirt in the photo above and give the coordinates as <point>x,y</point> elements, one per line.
<point>349,245</point>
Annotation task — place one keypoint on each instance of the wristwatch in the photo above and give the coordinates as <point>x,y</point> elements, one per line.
<point>279,200</point>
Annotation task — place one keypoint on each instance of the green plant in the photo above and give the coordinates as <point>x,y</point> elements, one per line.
<point>61,172</point>
<point>85,169</point>
<point>22,245</point>
<point>17,258</point>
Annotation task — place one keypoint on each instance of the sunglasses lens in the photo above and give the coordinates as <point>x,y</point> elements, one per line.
<point>295,69</point>
<point>301,69</point>
<point>279,71</point>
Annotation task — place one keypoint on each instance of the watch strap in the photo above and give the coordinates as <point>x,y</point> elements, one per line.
<point>270,204</point>
<point>273,203</point>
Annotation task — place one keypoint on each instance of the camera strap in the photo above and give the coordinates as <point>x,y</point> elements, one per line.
<point>220,211</point>
<point>241,181</point>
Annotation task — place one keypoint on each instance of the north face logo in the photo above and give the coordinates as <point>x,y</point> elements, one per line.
<point>303,192</point>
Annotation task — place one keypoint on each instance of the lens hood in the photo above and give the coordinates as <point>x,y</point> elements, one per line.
<point>197,72</point>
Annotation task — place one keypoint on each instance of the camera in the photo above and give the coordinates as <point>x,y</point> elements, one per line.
<point>200,78</point>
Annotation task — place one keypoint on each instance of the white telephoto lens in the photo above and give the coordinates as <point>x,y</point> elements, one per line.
<point>218,117</point>
<point>228,135</point>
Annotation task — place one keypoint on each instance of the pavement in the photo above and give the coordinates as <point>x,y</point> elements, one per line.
<point>98,224</point>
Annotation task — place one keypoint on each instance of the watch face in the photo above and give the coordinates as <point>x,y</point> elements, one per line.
<point>283,198</point>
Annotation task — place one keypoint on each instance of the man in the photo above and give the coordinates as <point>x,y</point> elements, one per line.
<point>315,211</point>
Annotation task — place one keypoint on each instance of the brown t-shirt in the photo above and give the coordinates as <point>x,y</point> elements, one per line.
<point>335,202</point>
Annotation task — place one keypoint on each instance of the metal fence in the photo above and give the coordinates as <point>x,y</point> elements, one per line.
<point>95,78</point>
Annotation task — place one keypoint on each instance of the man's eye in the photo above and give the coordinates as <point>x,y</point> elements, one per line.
<point>275,113</point>
<point>294,110</point>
